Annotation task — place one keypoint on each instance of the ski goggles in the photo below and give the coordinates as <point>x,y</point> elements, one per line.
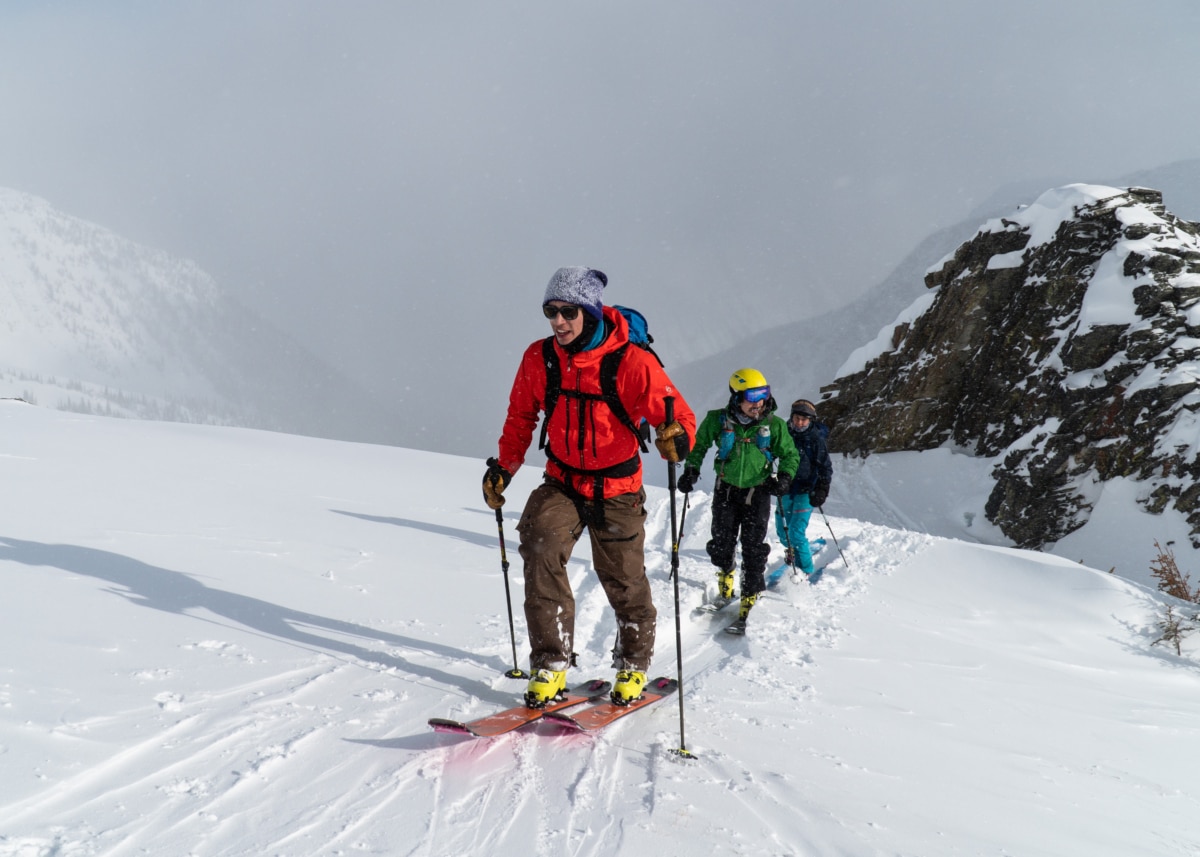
<point>757,394</point>
<point>569,312</point>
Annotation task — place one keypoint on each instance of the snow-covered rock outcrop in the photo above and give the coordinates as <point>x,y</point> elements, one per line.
<point>1063,341</point>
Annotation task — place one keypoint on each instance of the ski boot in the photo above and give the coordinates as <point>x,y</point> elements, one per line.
<point>628,687</point>
<point>738,628</point>
<point>545,687</point>
<point>748,602</point>
<point>725,581</point>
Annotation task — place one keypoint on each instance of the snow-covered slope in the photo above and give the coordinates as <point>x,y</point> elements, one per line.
<point>82,304</point>
<point>93,323</point>
<point>228,642</point>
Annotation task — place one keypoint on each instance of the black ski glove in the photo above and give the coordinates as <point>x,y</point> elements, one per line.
<point>494,482</point>
<point>688,480</point>
<point>672,442</point>
<point>819,494</point>
<point>775,486</point>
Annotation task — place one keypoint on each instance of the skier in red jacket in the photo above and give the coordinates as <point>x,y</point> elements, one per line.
<point>593,476</point>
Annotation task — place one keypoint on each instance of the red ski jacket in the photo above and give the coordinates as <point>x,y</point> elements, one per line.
<point>584,437</point>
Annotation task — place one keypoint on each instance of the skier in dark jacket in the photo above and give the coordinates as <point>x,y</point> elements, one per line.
<point>593,478</point>
<point>809,488</point>
<point>750,441</point>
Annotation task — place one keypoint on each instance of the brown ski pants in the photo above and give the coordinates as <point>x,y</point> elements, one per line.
<point>549,528</point>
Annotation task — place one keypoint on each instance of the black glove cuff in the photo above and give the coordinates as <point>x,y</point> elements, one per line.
<point>494,467</point>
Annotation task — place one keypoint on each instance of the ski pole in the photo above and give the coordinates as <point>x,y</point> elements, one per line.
<point>835,541</point>
<point>787,532</point>
<point>787,537</point>
<point>515,672</point>
<point>683,751</point>
<point>676,541</point>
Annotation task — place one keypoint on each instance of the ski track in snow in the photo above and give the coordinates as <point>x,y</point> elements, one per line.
<point>276,719</point>
<point>527,790</point>
<point>794,622</point>
<point>537,791</point>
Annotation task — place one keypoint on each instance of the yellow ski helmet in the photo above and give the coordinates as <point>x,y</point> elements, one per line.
<point>747,379</point>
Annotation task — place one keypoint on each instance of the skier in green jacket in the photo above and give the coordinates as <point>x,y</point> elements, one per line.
<point>751,443</point>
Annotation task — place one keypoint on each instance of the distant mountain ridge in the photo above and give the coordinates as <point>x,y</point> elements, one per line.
<point>92,322</point>
<point>800,357</point>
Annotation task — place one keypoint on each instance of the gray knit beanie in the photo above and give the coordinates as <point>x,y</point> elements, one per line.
<point>579,286</point>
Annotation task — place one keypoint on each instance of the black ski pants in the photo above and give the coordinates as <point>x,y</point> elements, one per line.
<point>745,512</point>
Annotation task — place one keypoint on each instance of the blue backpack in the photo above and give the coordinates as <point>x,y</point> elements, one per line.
<point>639,330</point>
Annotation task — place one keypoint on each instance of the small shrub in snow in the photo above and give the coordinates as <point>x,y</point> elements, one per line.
<point>1174,582</point>
<point>1170,579</point>
<point>1175,629</point>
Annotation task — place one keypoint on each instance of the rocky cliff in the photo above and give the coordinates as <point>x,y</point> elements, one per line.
<point>1063,341</point>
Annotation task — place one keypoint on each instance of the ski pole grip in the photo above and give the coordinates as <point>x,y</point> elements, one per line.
<point>669,404</point>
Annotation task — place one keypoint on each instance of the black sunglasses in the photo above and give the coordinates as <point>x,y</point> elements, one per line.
<point>570,313</point>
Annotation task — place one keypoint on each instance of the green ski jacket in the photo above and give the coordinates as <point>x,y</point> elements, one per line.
<point>746,465</point>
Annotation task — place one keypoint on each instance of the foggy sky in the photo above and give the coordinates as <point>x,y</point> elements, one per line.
<point>394,183</point>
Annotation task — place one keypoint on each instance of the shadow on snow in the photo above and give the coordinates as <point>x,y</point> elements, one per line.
<point>176,592</point>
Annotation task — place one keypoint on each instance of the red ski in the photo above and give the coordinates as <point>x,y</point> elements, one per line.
<point>603,713</point>
<point>514,718</point>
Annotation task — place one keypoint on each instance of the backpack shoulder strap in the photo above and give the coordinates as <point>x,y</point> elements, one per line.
<point>553,384</point>
<point>609,364</point>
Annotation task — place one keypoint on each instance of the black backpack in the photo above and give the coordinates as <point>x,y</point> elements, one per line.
<point>639,336</point>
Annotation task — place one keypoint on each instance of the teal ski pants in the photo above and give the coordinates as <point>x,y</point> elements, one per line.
<point>795,510</point>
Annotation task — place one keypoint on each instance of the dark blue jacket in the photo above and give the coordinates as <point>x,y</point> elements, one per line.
<point>815,466</point>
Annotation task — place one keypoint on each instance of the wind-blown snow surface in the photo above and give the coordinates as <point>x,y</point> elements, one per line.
<point>227,642</point>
